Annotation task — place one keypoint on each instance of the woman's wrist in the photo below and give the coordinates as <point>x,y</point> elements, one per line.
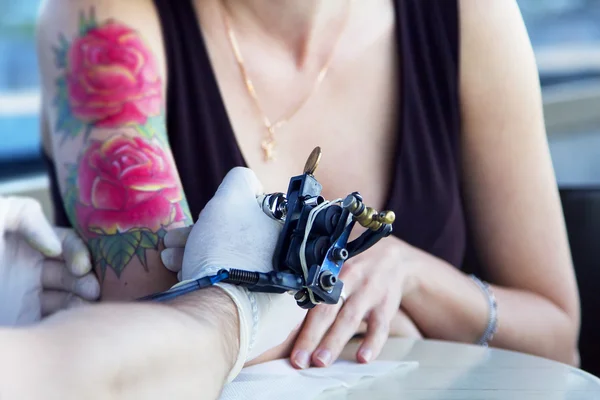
<point>492,323</point>
<point>443,302</point>
<point>417,264</point>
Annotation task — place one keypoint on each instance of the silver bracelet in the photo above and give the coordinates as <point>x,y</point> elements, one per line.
<point>492,325</point>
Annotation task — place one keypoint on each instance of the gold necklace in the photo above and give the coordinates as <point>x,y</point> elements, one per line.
<point>268,144</point>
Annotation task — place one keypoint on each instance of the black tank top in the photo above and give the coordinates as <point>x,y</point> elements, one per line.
<point>425,189</point>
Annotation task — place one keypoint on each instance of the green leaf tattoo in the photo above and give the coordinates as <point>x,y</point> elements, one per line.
<point>66,124</point>
<point>71,194</point>
<point>87,23</point>
<point>116,251</point>
<point>61,51</point>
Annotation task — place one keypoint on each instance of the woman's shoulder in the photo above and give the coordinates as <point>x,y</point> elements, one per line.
<point>69,31</point>
<point>131,9</point>
<point>482,17</point>
<point>64,15</point>
<point>77,34</point>
<point>493,38</point>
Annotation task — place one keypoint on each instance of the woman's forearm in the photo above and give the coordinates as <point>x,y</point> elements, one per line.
<point>447,304</point>
<point>150,351</point>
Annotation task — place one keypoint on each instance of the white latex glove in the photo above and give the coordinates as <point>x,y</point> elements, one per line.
<point>42,270</point>
<point>233,232</point>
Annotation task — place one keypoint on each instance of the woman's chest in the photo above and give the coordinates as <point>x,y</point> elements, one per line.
<point>353,115</point>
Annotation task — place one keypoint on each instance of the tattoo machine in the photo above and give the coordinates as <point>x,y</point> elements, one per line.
<point>313,244</point>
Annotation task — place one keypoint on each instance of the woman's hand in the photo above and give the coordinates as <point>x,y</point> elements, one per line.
<point>42,269</point>
<point>374,284</point>
<point>401,326</point>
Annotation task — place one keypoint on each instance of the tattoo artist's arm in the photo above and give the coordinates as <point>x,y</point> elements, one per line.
<point>181,350</point>
<point>103,73</point>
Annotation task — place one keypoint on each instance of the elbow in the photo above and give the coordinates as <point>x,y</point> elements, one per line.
<point>573,346</point>
<point>576,359</point>
<point>566,349</point>
<point>570,355</point>
<point>574,323</point>
<point>566,328</point>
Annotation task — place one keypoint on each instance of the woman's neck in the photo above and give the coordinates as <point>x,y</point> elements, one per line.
<point>303,26</point>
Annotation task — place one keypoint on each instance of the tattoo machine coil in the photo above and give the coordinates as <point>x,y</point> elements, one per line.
<point>313,244</point>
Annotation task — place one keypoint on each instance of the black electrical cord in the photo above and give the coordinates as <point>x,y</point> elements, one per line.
<point>187,287</point>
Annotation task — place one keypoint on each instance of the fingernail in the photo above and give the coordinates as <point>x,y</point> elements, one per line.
<point>324,356</point>
<point>166,257</point>
<point>365,355</point>
<point>50,247</point>
<point>82,264</point>
<point>88,287</point>
<point>301,359</point>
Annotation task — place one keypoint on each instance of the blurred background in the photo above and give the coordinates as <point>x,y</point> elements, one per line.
<point>566,39</point>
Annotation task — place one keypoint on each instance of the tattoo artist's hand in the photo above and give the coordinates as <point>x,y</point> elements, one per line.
<point>42,269</point>
<point>172,254</point>
<point>233,232</point>
<point>374,284</point>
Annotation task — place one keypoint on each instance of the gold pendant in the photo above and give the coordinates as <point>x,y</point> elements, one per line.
<point>268,147</point>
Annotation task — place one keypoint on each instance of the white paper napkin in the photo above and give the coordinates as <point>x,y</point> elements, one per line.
<point>279,380</point>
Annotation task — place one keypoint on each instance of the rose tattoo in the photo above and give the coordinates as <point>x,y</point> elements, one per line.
<point>112,78</point>
<point>124,184</point>
<point>123,191</point>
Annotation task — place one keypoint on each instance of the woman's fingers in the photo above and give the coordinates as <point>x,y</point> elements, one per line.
<point>75,253</point>
<point>316,325</point>
<point>378,329</point>
<point>402,326</point>
<point>345,326</point>
<point>177,237</point>
<point>27,218</point>
<point>378,326</point>
<point>55,276</point>
<point>172,258</point>
<point>54,301</point>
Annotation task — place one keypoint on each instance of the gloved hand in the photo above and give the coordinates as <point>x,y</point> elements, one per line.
<point>42,269</point>
<point>233,232</point>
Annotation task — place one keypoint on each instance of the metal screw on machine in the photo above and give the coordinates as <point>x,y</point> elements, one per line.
<point>339,254</point>
<point>274,205</point>
<point>327,280</point>
<point>367,217</point>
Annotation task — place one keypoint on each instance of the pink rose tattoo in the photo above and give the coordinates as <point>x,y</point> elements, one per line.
<point>112,78</point>
<point>124,184</point>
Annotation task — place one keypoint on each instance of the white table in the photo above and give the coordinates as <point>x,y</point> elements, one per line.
<point>450,371</point>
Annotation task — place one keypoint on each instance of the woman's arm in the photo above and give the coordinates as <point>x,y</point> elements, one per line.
<point>512,199</point>
<point>103,70</point>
